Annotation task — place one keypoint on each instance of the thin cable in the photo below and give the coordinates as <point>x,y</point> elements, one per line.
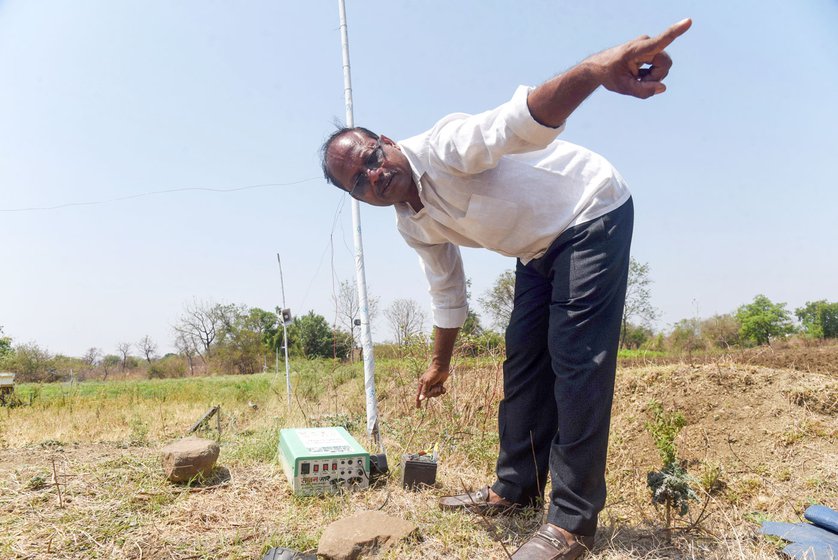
<point>338,212</point>
<point>152,193</point>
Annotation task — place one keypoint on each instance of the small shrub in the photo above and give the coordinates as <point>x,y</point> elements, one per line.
<point>37,482</point>
<point>671,485</point>
<point>139,432</point>
<point>664,428</point>
<point>711,479</point>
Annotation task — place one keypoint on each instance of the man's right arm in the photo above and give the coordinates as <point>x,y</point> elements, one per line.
<point>431,383</point>
<point>621,69</point>
<point>443,267</point>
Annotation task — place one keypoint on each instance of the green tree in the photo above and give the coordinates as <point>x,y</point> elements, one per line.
<point>266,323</point>
<point>635,336</point>
<point>762,320</point>
<point>241,340</point>
<point>472,326</point>
<point>310,336</point>
<point>31,363</point>
<point>499,300</point>
<point>819,318</point>
<point>5,344</point>
<point>638,309</point>
<point>109,363</point>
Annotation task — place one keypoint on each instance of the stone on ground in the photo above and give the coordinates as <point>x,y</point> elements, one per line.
<point>364,533</point>
<point>189,458</point>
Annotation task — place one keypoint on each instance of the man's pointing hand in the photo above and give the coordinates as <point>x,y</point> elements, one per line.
<point>638,67</point>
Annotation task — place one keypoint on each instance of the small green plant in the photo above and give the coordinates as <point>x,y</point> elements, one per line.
<point>37,482</point>
<point>711,479</point>
<point>671,485</point>
<point>139,432</point>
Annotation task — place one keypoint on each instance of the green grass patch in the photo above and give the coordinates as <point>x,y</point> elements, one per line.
<point>626,353</point>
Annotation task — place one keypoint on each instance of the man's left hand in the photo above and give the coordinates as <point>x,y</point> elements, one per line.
<point>637,68</point>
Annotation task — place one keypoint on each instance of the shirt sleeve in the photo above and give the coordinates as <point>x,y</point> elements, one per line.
<point>443,267</point>
<point>468,144</point>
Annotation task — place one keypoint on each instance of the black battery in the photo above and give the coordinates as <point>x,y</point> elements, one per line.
<point>418,470</point>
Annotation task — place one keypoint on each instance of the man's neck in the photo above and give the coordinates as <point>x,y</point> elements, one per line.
<point>413,199</point>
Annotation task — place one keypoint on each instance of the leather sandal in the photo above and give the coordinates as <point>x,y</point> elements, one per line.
<point>477,502</point>
<point>548,543</point>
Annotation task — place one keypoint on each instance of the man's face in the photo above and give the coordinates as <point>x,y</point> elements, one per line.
<point>373,171</point>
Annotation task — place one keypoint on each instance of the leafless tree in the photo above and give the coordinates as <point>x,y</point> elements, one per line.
<point>124,350</point>
<point>148,347</point>
<point>199,325</point>
<point>91,359</point>
<point>348,310</point>
<point>406,319</point>
<point>186,347</point>
<point>203,323</point>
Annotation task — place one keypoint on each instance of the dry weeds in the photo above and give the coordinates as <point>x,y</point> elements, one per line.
<point>761,440</point>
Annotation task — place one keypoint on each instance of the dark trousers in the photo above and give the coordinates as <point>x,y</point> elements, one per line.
<point>558,377</point>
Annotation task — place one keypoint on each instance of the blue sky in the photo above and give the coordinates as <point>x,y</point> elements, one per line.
<point>732,170</point>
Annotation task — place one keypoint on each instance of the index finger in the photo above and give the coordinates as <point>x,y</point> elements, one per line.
<point>419,393</point>
<point>665,39</point>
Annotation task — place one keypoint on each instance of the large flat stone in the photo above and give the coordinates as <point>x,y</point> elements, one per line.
<point>364,533</point>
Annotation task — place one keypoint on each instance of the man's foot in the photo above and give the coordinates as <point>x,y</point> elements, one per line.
<point>483,502</point>
<point>551,542</point>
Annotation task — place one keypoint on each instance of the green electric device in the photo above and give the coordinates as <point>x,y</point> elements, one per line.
<point>323,461</point>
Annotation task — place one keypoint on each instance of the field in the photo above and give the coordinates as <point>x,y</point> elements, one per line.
<point>80,474</point>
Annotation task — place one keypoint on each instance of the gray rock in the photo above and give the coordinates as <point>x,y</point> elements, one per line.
<point>188,458</point>
<point>366,532</point>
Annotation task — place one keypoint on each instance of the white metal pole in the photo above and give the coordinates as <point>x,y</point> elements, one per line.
<point>360,275</point>
<point>284,335</point>
<point>287,365</point>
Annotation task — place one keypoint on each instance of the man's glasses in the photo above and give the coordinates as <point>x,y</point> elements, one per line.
<point>372,162</point>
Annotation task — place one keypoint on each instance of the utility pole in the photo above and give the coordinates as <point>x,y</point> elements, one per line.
<point>282,319</point>
<point>360,275</point>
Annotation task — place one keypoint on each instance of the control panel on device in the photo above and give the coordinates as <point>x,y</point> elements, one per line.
<point>323,461</point>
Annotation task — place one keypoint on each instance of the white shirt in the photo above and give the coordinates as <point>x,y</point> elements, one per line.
<point>498,180</point>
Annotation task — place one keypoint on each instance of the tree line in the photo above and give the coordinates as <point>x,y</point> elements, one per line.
<point>215,337</point>
<point>757,323</point>
<point>229,338</point>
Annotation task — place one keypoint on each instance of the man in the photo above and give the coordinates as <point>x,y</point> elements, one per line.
<point>502,181</point>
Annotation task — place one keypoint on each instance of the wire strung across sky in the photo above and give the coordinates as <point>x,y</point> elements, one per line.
<point>153,193</point>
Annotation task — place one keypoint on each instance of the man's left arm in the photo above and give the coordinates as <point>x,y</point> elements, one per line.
<point>635,68</point>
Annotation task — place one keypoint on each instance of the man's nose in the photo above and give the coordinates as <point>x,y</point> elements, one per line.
<point>374,175</point>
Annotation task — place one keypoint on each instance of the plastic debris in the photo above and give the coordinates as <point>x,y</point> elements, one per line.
<point>817,540</point>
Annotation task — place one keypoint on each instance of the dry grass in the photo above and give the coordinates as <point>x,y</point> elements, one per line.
<point>755,437</point>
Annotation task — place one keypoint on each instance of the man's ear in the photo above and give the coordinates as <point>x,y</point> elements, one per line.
<point>384,140</point>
